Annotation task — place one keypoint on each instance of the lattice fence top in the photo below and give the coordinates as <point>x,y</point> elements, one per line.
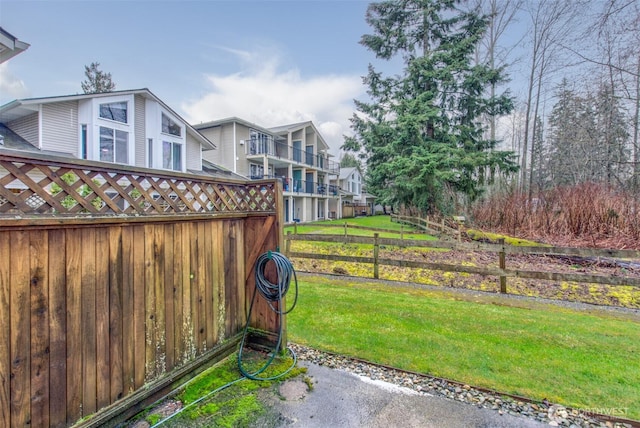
<point>88,188</point>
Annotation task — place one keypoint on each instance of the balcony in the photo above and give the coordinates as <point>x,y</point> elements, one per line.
<point>291,185</point>
<point>290,154</point>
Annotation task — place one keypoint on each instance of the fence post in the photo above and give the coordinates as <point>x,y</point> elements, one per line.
<point>287,244</point>
<point>345,229</point>
<point>502,264</point>
<point>376,248</point>
<point>401,231</point>
<point>295,227</point>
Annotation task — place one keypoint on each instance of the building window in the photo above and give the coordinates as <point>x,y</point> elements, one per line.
<point>261,143</point>
<point>257,171</point>
<point>150,153</point>
<point>170,127</point>
<point>114,111</point>
<point>114,145</point>
<point>84,148</point>
<point>172,156</point>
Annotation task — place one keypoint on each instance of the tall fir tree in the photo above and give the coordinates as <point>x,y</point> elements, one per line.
<point>97,81</point>
<point>421,131</point>
<point>587,138</point>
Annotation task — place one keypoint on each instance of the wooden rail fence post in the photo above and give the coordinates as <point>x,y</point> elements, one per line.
<point>401,231</point>
<point>295,227</point>
<point>376,249</point>
<point>502,264</point>
<point>345,229</point>
<point>287,244</point>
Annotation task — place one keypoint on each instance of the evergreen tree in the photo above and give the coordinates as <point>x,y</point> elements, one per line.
<point>421,131</point>
<point>97,80</point>
<point>612,136</point>
<point>348,160</point>
<point>587,138</point>
<point>539,176</point>
<point>568,125</point>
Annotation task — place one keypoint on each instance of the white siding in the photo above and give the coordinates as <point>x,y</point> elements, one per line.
<point>214,135</point>
<point>222,137</point>
<point>226,146</point>
<point>26,127</point>
<point>60,127</point>
<point>139,130</point>
<point>194,159</point>
<point>310,215</point>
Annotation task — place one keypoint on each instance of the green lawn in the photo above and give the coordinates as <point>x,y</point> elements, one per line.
<point>579,359</point>
<point>378,221</point>
<point>391,230</point>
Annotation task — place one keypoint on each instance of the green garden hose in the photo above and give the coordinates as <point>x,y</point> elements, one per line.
<point>272,293</point>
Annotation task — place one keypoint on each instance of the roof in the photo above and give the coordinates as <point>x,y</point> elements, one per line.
<point>10,46</point>
<point>11,140</point>
<point>296,126</point>
<point>231,120</point>
<point>218,171</point>
<point>346,172</point>
<point>24,107</point>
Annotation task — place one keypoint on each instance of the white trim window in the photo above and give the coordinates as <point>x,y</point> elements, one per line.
<point>173,142</point>
<point>257,171</point>
<point>106,131</point>
<point>170,126</point>
<point>172,155</point>
<point>114,145</point>
<point>116,111</point>
<point>166,138</point>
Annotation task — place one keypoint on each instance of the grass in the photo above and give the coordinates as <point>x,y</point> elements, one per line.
<point>579,359</point>
<point>478,235</point>
<point>377,221</point>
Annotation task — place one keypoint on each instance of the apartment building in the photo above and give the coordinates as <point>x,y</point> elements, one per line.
<point>296,153</point>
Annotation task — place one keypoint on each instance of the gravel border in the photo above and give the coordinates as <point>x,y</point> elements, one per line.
<point>545,412</point>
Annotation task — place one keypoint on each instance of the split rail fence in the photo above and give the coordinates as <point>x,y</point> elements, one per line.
<point>501,250</point>
<point>118,284</point>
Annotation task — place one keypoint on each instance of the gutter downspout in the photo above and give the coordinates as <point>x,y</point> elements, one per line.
<point>235,150</point>
<point>40,126</point>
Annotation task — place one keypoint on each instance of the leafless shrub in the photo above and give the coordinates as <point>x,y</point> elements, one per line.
<point>587,214</point>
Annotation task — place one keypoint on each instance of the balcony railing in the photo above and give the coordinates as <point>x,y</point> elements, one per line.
<point>303,186</point>
<point>310,187</point>
<point>284,151</point>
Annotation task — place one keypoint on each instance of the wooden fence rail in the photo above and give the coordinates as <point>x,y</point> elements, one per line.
<point>427,225</point>
<point>101,313</point>
<point>501,250</point>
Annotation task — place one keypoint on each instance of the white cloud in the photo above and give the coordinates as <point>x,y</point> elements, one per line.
<point>269,96</point>
<point>10,86</point>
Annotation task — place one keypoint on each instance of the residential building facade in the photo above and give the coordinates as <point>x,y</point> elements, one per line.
<point>133,128</point>
<point>353,199</point>
<point>297,154</point>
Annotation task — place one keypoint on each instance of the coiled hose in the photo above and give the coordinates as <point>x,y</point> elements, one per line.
<point>272,293</point>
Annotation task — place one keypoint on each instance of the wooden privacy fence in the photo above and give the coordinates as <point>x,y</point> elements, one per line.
<point>105,305</point>
<point>501,250</point>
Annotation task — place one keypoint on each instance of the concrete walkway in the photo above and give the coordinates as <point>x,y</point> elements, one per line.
<point>340,399</point>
